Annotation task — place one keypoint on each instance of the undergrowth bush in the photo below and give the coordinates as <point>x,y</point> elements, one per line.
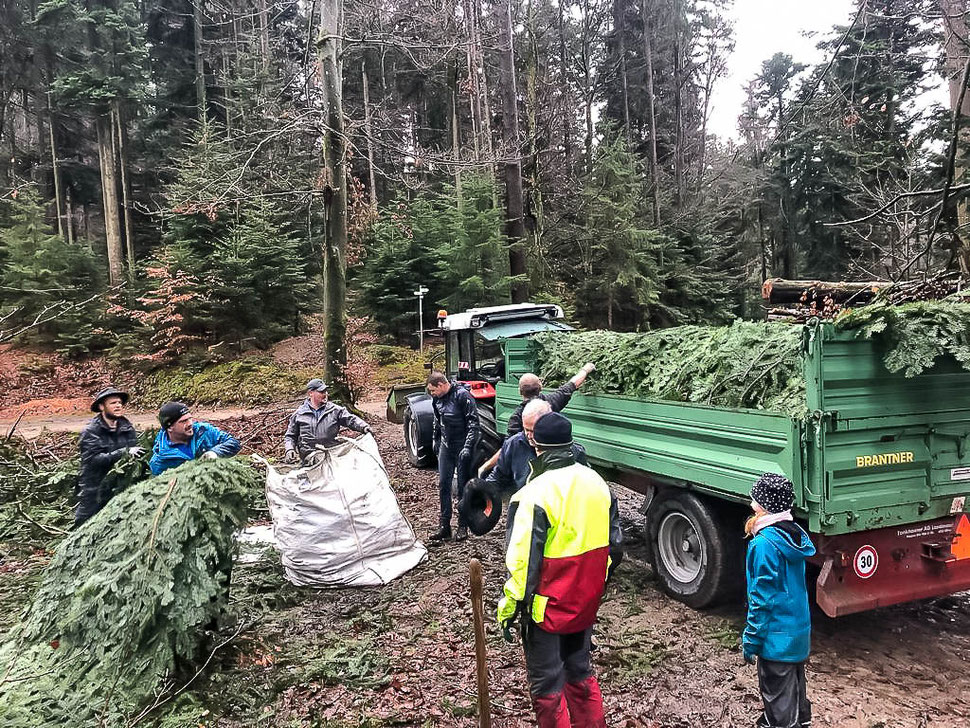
<point>245,382</point>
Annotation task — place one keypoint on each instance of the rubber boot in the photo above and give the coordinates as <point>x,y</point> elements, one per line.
<point>585,703</point>
<point>551,711</point>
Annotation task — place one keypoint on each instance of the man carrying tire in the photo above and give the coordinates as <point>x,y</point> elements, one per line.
<point>563,538</point>
<point>454,438</point>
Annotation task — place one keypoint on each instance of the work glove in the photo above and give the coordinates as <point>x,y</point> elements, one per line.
<point>290,456</point>
<point>507,634</point>
<point>465,454</point>
<point>368,430</point>
<point>209,455</point>
<point>589,367</point>
<point>136,451</point>
<point>749,658</point>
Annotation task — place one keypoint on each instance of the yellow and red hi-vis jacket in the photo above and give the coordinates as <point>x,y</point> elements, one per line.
<point>561,527</point>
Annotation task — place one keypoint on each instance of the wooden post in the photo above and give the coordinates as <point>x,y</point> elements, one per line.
<point>478,587</point>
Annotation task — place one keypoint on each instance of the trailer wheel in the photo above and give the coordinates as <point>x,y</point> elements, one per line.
<point>412,441</point>
<point>695,556</point>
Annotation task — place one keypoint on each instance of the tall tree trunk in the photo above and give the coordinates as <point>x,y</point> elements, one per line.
<point>651,112</point>
<point>369,132</point>
<point>514,197</point>
<point>679,140</point>
<point>956,28</point>
<point>264,35</point>
<point>120,136</point>
<point>197,26</point>
<point>55,167</point>
<point>334,188</point>
<point>456,131</point>
<point>619,27</point>
<point>109,193</point>
<point>567,111</point>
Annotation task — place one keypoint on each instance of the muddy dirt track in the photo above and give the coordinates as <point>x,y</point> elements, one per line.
<point>660,663</point>
<point>404,654</point>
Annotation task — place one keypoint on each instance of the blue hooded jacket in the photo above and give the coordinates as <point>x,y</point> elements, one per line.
<point>205,437</point>
<point>779,626</point>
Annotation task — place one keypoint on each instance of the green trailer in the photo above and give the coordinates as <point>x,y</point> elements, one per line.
<point>881,467</point>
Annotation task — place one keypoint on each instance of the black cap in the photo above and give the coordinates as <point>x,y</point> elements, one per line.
<point>171,412</point>
<point>775,493</point>
<point>316,385</point>
<point>480,506</point>
<point>105,393</point>
<point>552,430</point>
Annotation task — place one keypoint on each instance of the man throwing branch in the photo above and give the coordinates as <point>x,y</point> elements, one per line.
<point>104,441</point>
<point>317,422</point>
<point>530,388</point>
<point>454,438</point>
<point>563,536</point>
<point>182,439</point>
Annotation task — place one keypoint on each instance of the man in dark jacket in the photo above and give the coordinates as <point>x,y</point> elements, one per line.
<point>317,422</point>
<point>454,438</point>
<point>104,441</point>
<point>517,453</point>
<point>530,388</point>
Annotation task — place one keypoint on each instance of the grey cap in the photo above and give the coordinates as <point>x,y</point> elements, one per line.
<point>316,385</point>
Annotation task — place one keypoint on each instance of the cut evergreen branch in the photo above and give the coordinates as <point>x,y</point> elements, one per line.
<point>121,611</point>
<point>752,365</point>
<point>914,334</point>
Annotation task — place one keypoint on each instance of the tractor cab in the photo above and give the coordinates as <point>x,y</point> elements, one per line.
<point>473,339</point>
<point>473,357</point>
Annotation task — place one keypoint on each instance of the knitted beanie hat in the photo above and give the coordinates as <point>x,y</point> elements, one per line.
<point>552,430</point>
<point>775,493</point>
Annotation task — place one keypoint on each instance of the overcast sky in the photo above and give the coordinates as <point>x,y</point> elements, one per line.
<point>763,28</point>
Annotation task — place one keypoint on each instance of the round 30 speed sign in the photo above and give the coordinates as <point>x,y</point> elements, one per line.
<point>865,562</point>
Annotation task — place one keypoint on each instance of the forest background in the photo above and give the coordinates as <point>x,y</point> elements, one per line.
<point>183,180</point>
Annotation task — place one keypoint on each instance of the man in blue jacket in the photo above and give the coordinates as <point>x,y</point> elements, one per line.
<point>182,439</point>
<point>518,451</point>
<point>779,627</point>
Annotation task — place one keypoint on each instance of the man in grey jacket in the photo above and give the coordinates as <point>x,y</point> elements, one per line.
<point>317,422</point>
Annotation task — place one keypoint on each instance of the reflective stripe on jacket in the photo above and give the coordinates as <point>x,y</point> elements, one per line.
<point>311,427</point>
<point>561,528</point>
<point>205,438</point>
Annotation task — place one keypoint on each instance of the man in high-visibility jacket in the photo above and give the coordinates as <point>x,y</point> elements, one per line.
<point>563,539</point>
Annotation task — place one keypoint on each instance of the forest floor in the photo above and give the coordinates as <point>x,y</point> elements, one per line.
<point>404,654</point>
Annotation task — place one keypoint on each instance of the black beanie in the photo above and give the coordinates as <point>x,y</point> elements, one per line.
<point>552,430</point>
<point>775,493</point>
<point>171,412</point>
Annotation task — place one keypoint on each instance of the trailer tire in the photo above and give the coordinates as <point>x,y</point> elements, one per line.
<point>412,442</point>
<point>695,554</point>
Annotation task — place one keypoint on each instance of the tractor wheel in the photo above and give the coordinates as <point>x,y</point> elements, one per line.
<point>417,456</point>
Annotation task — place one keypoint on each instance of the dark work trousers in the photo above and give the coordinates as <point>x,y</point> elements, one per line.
<point>561,678</point>
<point>552,660</point>
<point>783,692</point>
<point>449,462</point>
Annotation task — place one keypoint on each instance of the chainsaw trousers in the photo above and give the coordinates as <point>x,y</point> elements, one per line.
<point>564,690</point>
<point>786,704</point>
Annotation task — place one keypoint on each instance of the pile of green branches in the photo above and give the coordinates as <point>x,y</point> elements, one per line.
<point>754,365</point>
<point>121,613</point>
<point>914,334</point>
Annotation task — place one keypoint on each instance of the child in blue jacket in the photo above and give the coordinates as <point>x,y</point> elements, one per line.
<point>779,627</point>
